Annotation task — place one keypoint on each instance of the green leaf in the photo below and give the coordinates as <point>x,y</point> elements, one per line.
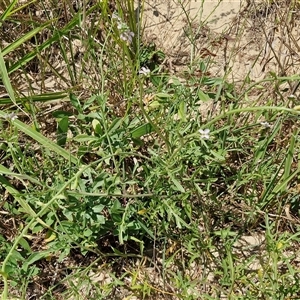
<point>289,158</point>
<point>35,257</point>
<point>76,103</point>
<point>17,256</point>
<point>54,38</point>
<point>115,125</point>
<point>141,131</point>
<point>62,131</point>
<point>182,111</point>
<point>179,187</point>
<point>116,208</point>
<point>146,229</point>
<point>25,245</point>
<point>158,79</point>
<point>85,138</point>
<point>97,127</point>
<point>61,114</point>
<point>35,98</point>
<point>5,79</point>
<point>6,13</point>
<point>87,232</point>
<point>98,208</point>
<point>4,170</point>
<point>23,39</point>
<point>16,194</point>
<point>163,95</point>
<point>218,156</point>
<point>154,104</point>
<point>203,96</point>
<point>45,142</point>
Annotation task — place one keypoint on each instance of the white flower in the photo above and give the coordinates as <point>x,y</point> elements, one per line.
<point>144,71</point>
<point>11,117</point>
<point>205,133</point>
<point>116,17</point>
<point>127,36</point>
<point>265,124</point>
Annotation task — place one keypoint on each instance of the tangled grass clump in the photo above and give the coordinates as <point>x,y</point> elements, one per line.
<point>122,179</point>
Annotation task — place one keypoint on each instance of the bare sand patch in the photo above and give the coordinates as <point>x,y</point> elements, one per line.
<point>239,38</point>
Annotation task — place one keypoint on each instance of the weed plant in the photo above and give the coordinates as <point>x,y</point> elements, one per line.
<point>121,180</point>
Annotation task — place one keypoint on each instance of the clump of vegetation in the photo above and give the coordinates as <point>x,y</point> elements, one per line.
<point>120,179</point>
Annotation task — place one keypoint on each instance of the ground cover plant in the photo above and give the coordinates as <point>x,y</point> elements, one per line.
<point>121,178</point>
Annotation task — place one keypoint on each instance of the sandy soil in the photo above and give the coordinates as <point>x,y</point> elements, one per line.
<point>239,38</point>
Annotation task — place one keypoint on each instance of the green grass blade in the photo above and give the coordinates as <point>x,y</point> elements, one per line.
<point>263,145</point>
<point>289,158</point>
<point>23,39</point>
<point>5,79</point>
<point>56,37</point>
<point>21,7</point>
<point>45,142</point>
<point>18,196</point>
<point>4,170</point>
<point>7,11</point>
<point>36,98</point>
